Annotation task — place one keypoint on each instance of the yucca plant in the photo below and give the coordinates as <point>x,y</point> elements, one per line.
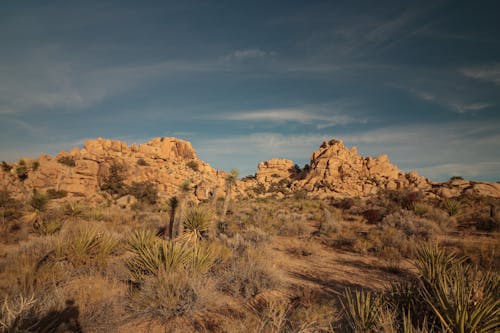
<point>202,257</point>
<point>196,224</point>
<point>173,204</point>
<point>362,309</point>
<point>464,302</point>
<point>462,299</point>
<point>84,245</point>
<point>141,239</point>
<point>452,206</point>
<point>162,256</point>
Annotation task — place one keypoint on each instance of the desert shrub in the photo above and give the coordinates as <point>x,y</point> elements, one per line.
<point>67,160</point>
<point>452,178</point>
<point>404,198</point>
<point>259,188</point>
<point>193,165</point>
<point>48,227</point>
<point>411,225</point>
<point>14,311</point>
<point>280,186</point>
<point>56,194</point>
<point>142,162</point>
<point>167,295</point>
<point>255,235</point>
<point>300,195</point>
<point>22,170</point>
<point>145,192</point>
<point>245,276</point>
<point>420,208</point>
<point>35,165</point>
<point>74,210</point>
<point>38,201</point>
<point>345,203</point>
<point>113,183</point>
<point>373,216</point>
<point>6,166</point>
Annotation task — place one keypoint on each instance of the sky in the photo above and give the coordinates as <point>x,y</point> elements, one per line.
<point>246,81</point>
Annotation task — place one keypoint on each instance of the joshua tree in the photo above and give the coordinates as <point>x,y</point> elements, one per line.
<point>230,181</point>
<point>173,203</point>
<point>185,189</point>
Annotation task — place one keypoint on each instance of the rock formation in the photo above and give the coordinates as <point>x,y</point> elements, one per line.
<point>167,163</point>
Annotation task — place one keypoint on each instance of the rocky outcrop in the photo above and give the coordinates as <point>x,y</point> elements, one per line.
<point>165,162</point>
<point>275,170</point>
<point>339,171</point>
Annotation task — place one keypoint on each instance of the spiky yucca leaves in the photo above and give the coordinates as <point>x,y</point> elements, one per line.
<point>196,223</point>
<point>38,205</point>
<point>362,309</point>
<point>160,256</point>
<point>85,245</point>
<point>462,299</point>
<point>142,239</point>
<point>452,206</point>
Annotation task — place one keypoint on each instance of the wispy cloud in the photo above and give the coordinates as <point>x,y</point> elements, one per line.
<point>320,115</point>
<point>484,73</point>
<point>246,54</point>
<point>453,103</point>
<point>437,151</point>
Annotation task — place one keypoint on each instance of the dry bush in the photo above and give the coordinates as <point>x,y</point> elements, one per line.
<point>412,226</point>
<point>99,301</point>
<point>30,269</point>
<point>331,223</point>
<point>255,235</point>
<point>168,295</point>
<point>245,276</point>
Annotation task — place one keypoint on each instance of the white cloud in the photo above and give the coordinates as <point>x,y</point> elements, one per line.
<point>437,151</point>
<point>246,54</point>
<point>484,73</point>
<point>322,116</point>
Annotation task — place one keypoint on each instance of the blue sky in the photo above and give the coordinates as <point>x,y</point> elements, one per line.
<point>248,81</point>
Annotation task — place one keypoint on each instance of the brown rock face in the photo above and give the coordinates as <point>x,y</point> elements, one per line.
<point>165,162</point>
<point>275,170</point>
<point>336,170</point>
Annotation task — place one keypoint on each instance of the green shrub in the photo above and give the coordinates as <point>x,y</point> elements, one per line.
<point>144,192</point>
<point>6,167</point>
<point>67,160</point>
<point>167,295</point>
<point>39,201</point>
<point>193,165</point>
<point>56,194</point>
<point>113,183</point>
<point>22,170</point>
<point>35,165</point>
<point>142,162</point>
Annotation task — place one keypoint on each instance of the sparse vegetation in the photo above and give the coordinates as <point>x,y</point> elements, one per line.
<point>286,260</point>
<point>67,160</point>
<point>142,162</point>
<point>22,170</point>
